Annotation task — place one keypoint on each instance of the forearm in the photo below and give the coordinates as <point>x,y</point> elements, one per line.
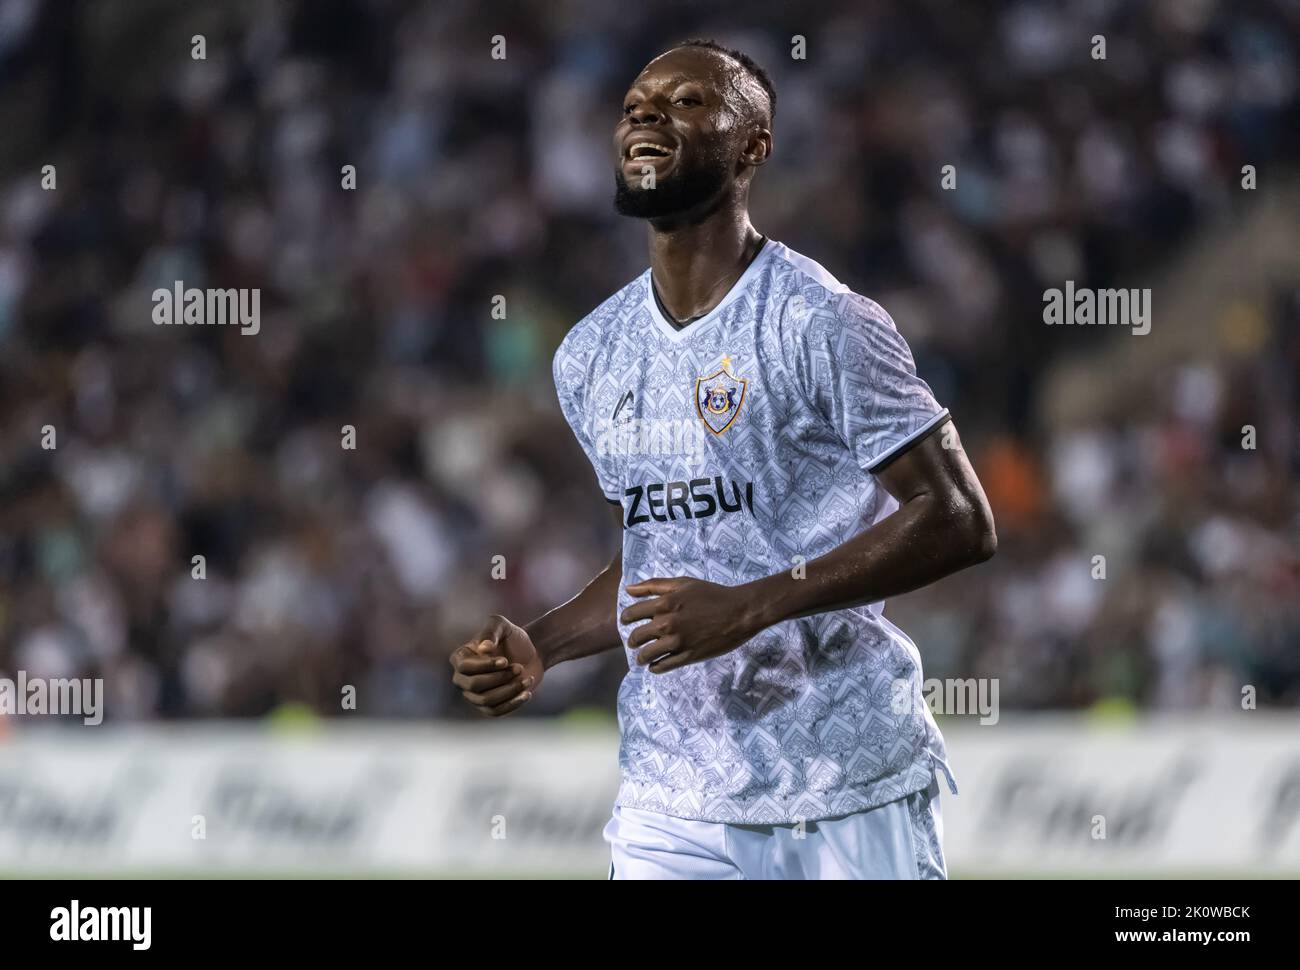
<point>583,626</point>
<point>919,544</point>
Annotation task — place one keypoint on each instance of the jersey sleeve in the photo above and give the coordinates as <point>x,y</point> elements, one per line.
<point>572,385</point>
<point>855,368</point>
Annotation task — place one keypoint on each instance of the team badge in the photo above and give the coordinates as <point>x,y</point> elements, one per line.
<point>719,396</point>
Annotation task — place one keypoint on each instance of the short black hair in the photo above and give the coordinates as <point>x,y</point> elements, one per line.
<point>745,61</point>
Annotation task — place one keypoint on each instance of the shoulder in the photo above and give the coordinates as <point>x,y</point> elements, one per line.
<point>598,328</point>
<point>817,307</point>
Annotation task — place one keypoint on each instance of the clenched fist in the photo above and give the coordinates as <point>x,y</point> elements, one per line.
<point>499,670</point>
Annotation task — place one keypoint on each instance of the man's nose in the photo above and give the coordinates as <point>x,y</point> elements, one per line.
<point>647,112</point>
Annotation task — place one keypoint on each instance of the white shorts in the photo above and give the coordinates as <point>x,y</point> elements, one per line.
<point>900,840</point>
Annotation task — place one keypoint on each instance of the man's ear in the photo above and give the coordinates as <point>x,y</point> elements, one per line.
<point>759,147</point>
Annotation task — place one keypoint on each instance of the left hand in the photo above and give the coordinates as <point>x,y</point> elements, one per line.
<point>689,620</point>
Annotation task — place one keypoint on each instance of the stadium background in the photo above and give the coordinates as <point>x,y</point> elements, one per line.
<point>479,177</point>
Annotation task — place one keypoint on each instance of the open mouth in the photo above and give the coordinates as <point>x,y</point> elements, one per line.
<point>644,150</point>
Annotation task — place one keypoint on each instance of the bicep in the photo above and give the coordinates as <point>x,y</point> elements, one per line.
<point>935,466</point>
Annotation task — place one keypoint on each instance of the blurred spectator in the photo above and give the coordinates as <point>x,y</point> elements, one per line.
<point>475,177</point>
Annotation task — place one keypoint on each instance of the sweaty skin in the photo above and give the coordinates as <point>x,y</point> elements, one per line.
<point>710,115</point>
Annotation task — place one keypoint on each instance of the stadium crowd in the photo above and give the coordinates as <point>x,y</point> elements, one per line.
<point>325,565</point>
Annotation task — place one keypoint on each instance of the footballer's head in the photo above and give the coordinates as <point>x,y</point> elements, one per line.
<point>697,123</point>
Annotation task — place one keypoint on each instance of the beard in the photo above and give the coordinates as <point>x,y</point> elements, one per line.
<point>670,197</point>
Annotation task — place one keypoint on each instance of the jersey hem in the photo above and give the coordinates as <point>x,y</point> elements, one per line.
<point>897,450</point>
<point>676,803</point>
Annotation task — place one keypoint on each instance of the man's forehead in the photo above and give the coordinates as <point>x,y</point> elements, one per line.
<point>689,64</point>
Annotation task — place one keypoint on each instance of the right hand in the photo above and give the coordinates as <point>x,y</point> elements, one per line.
<point>499,670</point>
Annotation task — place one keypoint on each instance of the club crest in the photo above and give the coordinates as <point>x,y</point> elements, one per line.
<point>719,396</point>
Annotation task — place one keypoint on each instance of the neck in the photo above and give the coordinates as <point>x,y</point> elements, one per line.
<point>695,261</point>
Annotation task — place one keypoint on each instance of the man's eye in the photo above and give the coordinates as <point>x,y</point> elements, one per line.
<point>627,108</point>
<point>688,101</point>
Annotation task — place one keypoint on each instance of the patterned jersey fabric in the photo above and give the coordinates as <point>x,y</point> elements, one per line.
<point>740,446</point>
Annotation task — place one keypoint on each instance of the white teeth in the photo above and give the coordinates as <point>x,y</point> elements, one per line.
<point>636,150</point>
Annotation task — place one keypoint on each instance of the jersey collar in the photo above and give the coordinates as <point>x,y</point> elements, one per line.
<point>737,288</point>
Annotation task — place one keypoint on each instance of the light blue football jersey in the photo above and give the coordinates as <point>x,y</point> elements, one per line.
<point>741,446</point>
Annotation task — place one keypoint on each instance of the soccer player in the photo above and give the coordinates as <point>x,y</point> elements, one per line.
<point>772,724</point>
